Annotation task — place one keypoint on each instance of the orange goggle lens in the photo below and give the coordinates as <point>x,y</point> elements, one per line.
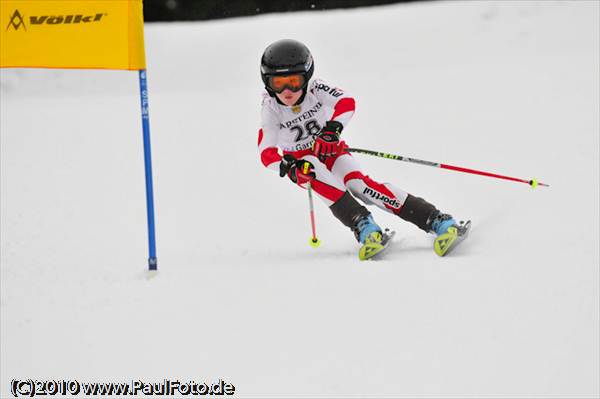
<point>292,82</point>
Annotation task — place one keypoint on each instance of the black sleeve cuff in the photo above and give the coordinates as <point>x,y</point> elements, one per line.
<point>334,127</point>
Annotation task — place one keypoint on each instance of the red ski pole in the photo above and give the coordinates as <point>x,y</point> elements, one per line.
<point>314,241</point>
<point>532,182</point>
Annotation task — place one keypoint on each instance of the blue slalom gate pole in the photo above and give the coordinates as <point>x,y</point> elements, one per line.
<point>152,262</point>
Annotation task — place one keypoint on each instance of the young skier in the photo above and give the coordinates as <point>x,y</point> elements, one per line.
<point>304,120</point>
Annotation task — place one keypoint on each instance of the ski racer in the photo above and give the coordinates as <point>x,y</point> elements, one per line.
<point>300,138</point>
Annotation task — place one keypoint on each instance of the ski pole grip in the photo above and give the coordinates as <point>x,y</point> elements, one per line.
<point>306,168</point>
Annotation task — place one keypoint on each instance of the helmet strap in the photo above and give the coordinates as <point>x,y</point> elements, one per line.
<point>302,96</point>
<point>271,92</point>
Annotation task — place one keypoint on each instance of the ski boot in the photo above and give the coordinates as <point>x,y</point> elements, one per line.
<point>449,233</point>
<point>369,234</point>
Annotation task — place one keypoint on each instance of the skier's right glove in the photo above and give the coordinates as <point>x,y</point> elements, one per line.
<point>298,170</point>
<point>327,142</point>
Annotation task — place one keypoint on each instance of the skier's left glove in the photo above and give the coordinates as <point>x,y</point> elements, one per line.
<point>298,170</point>
<point>327,142</point>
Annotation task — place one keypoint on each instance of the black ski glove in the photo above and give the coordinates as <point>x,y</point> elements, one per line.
<point>298,170</point>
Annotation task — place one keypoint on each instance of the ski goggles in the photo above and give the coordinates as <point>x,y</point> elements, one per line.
<point>279,83</point>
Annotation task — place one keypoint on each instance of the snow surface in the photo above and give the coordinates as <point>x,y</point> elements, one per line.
<point>509,87</point>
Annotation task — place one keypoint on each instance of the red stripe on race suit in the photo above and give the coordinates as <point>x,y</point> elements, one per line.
<point>269,156</point>
<point>353,175</point>
<point>325,190</point>
<point>343,106</point>
<point>260,136</point>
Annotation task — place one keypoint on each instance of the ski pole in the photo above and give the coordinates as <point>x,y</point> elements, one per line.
<point>314,241</point>
<point>533,182</point>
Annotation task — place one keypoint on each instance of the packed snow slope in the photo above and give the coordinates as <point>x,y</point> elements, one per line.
<point>510,87</point>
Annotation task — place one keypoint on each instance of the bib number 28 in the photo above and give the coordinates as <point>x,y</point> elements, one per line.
<point>311,128</point>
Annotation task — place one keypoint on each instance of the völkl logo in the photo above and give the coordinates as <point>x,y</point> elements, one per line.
<point>17,20</point>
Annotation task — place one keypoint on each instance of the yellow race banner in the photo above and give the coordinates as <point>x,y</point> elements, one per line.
<point>90,34</point>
